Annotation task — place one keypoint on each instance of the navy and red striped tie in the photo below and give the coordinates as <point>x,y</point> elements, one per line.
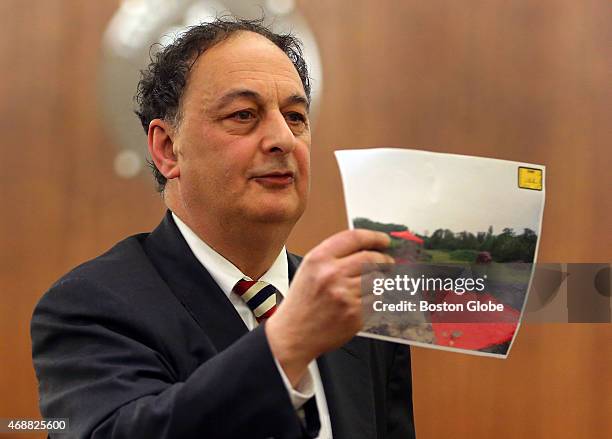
<point>259,296</point>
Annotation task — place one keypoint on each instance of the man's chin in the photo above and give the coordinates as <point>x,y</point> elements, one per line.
<point>271,216</point>
<point>278,212</point>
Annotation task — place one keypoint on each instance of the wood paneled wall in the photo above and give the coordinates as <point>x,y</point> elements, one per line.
<point>520,80</point>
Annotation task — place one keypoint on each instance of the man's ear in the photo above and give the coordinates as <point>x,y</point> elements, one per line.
<point>161,148</point>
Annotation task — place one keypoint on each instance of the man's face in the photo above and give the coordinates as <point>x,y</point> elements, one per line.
<point>243,141</point>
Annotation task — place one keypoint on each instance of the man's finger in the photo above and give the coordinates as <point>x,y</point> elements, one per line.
<point>363,262</point>
<point>348,242</point>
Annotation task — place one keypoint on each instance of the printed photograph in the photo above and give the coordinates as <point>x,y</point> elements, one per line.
<point>464,235</point>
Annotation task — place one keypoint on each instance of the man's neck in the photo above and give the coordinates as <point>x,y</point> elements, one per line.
<point>252,248</point>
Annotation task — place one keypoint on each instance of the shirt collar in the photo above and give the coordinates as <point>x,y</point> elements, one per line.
<point>224,272</point>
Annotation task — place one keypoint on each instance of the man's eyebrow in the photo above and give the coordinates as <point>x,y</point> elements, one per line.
<point>232,95</point>
<point>297,99</point>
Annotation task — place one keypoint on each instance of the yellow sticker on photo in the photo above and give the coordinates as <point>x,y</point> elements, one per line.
<point>530,178</point>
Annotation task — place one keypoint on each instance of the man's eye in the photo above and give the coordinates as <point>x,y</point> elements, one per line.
<point>295,117</point>
<point>242,115</point>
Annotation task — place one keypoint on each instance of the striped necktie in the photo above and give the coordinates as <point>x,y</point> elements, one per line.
<point>259,296</point>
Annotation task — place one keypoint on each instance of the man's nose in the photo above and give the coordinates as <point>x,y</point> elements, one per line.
<point>277,136</point>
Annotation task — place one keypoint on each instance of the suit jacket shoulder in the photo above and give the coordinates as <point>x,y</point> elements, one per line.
<point>121,353</point>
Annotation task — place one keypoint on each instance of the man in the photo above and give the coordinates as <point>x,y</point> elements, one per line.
<point>181,333</point>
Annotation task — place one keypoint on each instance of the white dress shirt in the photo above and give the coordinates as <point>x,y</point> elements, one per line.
<point>226,275</point>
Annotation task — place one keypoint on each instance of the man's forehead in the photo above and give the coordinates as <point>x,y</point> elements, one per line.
<point>245,58</point>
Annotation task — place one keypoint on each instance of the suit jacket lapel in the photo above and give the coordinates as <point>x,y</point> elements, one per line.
<point>348,389</point>
<point>347,381</point>
<point>193,285</point>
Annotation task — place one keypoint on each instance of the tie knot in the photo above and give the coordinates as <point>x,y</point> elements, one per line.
<point>259,296</point>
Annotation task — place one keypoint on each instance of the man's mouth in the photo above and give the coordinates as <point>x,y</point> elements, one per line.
<point>275,179</point>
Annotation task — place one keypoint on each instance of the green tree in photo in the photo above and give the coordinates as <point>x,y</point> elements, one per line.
<point>365,223</point>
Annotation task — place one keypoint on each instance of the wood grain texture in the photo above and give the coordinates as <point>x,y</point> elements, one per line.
<point>518,80</point>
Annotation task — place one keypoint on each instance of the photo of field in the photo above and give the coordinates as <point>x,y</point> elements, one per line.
<point>458,217</point>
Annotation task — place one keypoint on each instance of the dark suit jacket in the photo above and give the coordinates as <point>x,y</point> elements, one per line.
<point>142,343</point>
